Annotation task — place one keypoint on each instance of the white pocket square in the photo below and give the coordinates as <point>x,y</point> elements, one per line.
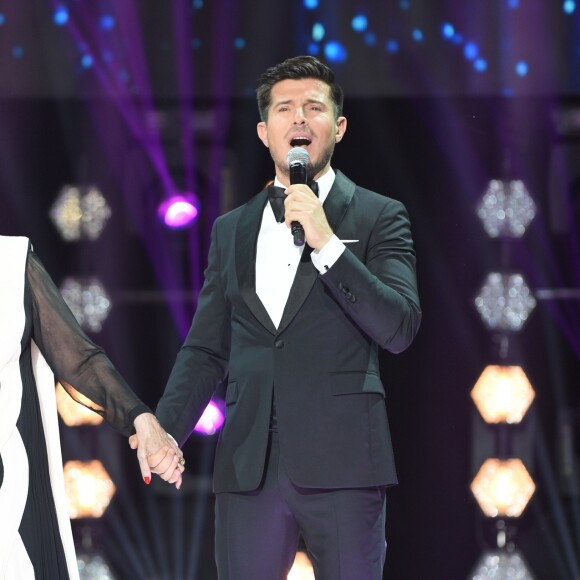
<point>348,241</point>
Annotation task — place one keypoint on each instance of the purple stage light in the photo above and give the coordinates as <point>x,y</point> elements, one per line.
<point>211,420</point>
<point>178,211</point>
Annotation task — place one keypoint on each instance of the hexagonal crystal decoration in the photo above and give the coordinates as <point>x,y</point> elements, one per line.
<point>505,301</point>
<point>89,488</point>
<point>503,487</point>
<point>80,212</point>
<point>93,567</point>
<point>506,209</point>
<point>503,394</point>
<point>88,301</point>
<point>501,565</point>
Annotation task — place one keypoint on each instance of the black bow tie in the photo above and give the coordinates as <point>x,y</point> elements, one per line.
<point>277,196</point>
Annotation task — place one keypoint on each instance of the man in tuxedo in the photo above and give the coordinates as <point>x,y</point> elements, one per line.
<point>305,449</point>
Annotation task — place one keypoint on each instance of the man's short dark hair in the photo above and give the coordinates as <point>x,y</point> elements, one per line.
<point>297,68</point>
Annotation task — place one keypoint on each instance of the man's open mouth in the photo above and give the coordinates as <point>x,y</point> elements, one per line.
<point>300,141</point>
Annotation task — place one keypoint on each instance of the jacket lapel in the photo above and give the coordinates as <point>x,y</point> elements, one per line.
<point>335,207</point>
<point>246,241</point>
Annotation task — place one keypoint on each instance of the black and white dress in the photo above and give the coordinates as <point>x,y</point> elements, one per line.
<point>39,340</point>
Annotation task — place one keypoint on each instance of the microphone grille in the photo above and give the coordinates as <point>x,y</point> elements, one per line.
<point>297,156</point>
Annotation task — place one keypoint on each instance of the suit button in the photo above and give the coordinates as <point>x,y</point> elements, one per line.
<point>279,344</point>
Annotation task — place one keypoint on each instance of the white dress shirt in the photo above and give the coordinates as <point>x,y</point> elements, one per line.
<point>277,258</point>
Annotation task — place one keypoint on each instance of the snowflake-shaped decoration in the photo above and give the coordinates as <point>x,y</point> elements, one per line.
<point>506,209</point>
<point>88,301</point>
<point>505,301</point>
<point>501,565</point>
<point>80,213</point>
<point>503,394</point>
<point>89,488</point>
<point>93,567</point>
<point>503,487</point>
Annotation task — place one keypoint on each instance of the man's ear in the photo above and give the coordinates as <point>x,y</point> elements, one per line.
<point>263,132</point>
<point>340,129</point>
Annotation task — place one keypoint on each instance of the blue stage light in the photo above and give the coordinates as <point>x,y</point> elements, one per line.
<point>310,4</point>
<point>239,43</point>
<point>569,6</point>
<point>87,61</point>
<point>417,35</point>
<point>370,39</point>
<point>513,4</point>
<point>318,31</point>
<point>2,19</point>
<point>359,23</point>
<point>60,16</point>
<point>447,30</point>
<point>313,49</point>
<point>108,22</point>
<point>197,4</point>
<point>470,50</point>
<point>17,52</point>
<point>392,46</point>
<point>335,51</point>
<point>480,65</point>
<point>405,4</point>
<point>522,68</point>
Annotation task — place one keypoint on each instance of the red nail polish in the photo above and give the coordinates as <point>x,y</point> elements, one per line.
<point>147,480</point>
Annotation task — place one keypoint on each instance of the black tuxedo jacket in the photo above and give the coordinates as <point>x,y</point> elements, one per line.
<point>321,363</point>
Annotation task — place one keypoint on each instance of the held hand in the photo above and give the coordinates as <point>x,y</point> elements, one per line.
<point>303,206</point>
<point>157,451</point>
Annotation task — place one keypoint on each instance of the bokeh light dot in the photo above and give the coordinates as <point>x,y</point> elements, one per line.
<point>392,46</point>
<point>17,52</point>
<point>359,23</point>
<point>569,6</point>
<point>2,19</point>
<point>480,65</point>
<point>311,4</point>
<point>313,49</point>
<point>239,43</point>
<point>335,51</point>
<point>447,30</point>
<point>370,39</point>
<point>87,61</point>
<point>60,17</point>
<point>108,22</point>
<point>470,50</point>
<point>318,31</point>
<point>417,35</point>
<point>522,68</point>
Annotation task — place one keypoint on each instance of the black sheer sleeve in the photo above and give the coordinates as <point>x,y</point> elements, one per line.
<point>78,363</point>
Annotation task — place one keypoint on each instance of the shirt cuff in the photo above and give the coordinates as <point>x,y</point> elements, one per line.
<point>325,258</point>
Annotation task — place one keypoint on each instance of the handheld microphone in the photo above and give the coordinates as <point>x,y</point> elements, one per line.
<point>297,160</point>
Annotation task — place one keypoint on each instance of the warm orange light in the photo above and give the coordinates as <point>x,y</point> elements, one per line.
<point>503,394</point>
<point>88,487</point>
<point>503,487</point>
<point>72,413</point>
<point>302,568</point>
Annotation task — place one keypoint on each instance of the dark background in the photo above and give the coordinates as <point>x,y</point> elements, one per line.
<point>168,99</point>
